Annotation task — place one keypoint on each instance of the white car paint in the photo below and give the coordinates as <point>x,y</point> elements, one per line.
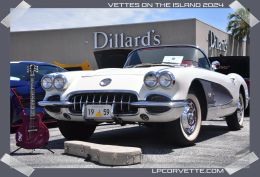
<point>131,79</point>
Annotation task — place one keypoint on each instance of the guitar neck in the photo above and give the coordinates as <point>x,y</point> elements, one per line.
<point>32,97</point>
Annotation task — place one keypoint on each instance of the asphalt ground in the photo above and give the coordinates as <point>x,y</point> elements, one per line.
<point>216,147</point>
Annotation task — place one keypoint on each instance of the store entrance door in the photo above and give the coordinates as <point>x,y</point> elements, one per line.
<point>114,58</point>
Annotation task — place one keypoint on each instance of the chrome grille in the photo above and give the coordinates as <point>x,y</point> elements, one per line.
<point>120,101</point>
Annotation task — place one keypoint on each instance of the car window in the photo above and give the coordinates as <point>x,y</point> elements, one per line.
<point>203,61</point>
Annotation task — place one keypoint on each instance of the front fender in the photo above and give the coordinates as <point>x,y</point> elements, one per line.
<point>240,82</point>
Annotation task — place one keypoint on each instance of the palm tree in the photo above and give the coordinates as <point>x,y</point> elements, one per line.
<point>239,27</point>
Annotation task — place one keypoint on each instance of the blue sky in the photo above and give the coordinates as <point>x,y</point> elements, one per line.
<point>43,19</point>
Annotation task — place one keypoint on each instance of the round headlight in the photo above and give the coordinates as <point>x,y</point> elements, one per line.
<point>150,79</point>
<point>46,82</point>
<point>59,82</point>
<point>166,79</point>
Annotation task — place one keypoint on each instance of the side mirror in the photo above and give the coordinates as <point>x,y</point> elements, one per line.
<point>215,65</point>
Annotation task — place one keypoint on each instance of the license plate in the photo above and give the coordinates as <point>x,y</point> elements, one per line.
<point>98,111</point>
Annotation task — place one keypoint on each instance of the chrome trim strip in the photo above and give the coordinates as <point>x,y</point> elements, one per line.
<point>140,104</point>
<point>218,105</point>
<point>171,104</point>
<point>55,103</point>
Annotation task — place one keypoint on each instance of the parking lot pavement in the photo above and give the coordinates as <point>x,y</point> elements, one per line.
<point>217,147</point>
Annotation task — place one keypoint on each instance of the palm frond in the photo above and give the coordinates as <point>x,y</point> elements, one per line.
<point>237,26</point>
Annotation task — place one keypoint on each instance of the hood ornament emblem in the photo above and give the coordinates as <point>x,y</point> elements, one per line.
<point>105,82</point>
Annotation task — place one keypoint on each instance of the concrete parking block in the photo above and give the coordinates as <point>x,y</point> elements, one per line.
<point>104,154</point>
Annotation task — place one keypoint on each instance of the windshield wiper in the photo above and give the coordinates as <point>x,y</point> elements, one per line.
<point>147,65</point>
<point>170,63</point>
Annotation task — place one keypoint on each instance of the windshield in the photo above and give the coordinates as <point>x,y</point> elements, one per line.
<point>167,55</point>
<point>19,70</point>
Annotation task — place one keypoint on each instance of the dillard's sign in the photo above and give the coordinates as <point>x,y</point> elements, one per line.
<point>102,40</point>
<point>215,43</point>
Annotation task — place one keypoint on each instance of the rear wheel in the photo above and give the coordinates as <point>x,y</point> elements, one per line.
<point>186,129</point>
<point>235,121</point>
<point>76,130</point>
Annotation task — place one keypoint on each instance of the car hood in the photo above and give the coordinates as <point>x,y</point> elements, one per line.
<point>130,79</point>
<point>123,71</point>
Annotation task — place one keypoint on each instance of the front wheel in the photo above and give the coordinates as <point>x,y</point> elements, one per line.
<point>76,130</point>
<point>235,121</point>
<point>186,129</point>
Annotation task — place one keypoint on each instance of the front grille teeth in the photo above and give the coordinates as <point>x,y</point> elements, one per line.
<point>74,103</point>
<point>80,102</point>
<point>121,105</point>
<point>107,100</point>
<point>129,102</point>
<point>86,100</point>
<point>120,102</point>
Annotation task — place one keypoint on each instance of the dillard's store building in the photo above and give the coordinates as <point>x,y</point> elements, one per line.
<point>108,46</point>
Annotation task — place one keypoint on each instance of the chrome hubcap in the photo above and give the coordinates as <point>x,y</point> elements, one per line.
<point>240,110</point>
<point>189,118</point>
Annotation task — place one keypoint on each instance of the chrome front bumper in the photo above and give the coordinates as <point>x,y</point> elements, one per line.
<point>175,111</point>
<point>139,104</point>
<point>55,103</point>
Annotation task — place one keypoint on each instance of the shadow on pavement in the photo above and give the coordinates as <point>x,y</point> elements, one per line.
<point>26,153</point>
<point>150,140</point>
<point>211,131</point>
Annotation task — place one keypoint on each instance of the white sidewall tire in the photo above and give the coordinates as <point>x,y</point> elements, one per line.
<point>196,132</point>
<point>243,114</point>
<point>233,120</point>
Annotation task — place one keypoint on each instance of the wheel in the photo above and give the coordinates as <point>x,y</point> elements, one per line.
<point>76,130</point>
<point>186,129</point>
<point>235,121</point>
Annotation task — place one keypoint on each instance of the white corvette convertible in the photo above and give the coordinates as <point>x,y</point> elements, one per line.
<point>174,87</point>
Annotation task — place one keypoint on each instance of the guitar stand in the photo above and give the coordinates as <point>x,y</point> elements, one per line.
<point>13,152</point>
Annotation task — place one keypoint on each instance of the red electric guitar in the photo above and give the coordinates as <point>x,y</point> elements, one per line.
<point>33,133</point>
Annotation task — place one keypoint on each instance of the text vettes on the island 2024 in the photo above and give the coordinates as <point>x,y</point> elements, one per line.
<point>174,87</point>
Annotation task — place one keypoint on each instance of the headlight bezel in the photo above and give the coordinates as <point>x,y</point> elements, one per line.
<point>154,74</point>
<point>65,81</point>
<point>51,78</point>
<point>170,76</point>
<point>158,76</point>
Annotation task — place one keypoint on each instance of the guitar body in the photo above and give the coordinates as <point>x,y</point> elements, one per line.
<point>34,138</point>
